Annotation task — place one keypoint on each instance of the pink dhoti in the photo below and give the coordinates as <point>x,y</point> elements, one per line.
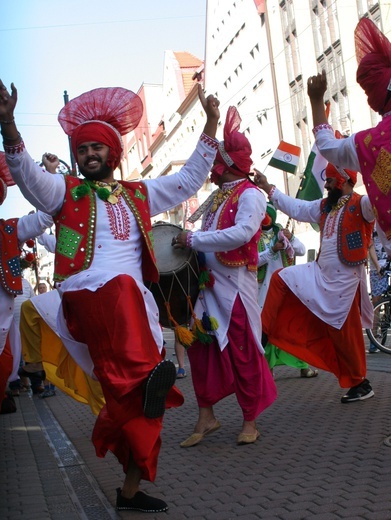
<point>240,368</point>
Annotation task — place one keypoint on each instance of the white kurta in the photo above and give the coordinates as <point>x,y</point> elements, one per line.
<point>112,256</point>
<point>231,281</point>
<point>327,286</point>
<point>274,262</point>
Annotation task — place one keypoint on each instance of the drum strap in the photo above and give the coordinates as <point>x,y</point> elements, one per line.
<point>204,206</point>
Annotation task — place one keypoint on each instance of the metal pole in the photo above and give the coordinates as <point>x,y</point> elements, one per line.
<point>73,162</point>
<point>275,89</point>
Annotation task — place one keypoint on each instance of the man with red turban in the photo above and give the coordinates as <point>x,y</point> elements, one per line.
<point>368,151</point>
<point>108,319</point>
<point>232,360</point>
<point>316,311</point>
<point>13,233</point>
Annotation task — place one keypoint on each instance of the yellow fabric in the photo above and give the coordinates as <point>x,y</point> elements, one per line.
<point>41,344</point>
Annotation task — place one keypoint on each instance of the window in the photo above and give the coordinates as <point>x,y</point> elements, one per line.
<point>254,50</point>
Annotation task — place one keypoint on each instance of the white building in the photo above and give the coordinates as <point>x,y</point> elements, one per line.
<point>259,55</point>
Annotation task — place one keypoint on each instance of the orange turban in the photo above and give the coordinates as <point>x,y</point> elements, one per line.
<point>341,174</point>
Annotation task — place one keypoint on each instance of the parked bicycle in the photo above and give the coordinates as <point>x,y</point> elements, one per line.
<point>380,334</point>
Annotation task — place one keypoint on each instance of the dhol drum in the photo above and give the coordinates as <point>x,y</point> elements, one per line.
<point>178,270</point>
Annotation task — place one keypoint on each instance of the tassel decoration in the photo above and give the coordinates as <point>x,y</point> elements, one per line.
<point>203,279</point>
<point>200,333</point>
<point>82,190</point>
<point>185,336</point>
<point>209,323</point>
<point>103,193</point>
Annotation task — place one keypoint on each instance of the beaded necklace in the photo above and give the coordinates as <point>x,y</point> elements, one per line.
<point>107,191</point>
<point>333,216</point>
<point>219,197</point>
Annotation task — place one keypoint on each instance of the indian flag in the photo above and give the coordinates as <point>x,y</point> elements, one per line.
<point>312,182</point>
<point>286,157</point>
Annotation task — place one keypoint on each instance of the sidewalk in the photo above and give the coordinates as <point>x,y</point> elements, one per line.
<point>316,458</point>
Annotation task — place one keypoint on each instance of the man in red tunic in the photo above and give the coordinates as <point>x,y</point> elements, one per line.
<point>104,251</point>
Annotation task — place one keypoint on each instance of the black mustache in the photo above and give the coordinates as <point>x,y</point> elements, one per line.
<point>92,158</point>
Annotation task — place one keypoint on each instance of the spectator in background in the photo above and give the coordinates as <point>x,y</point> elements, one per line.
<point>22,384</point>
<point>277,248</point>
<point>42,287</point>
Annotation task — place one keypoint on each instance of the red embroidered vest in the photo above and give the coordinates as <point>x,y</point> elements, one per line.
<point>75,229</point>
<point>354,233</point>
<point>10,272</point>
<point>244,255</point>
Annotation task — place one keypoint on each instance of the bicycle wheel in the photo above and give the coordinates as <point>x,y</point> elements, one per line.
<point>380,334</point>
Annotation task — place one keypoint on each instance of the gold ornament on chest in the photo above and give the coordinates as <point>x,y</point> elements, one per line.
<point>219,198</point>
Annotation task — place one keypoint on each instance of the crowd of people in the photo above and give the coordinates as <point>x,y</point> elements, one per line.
<point>97,335</point>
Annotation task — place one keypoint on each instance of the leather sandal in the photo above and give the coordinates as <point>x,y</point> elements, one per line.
<point>195,438</point>
<point>247,438</point>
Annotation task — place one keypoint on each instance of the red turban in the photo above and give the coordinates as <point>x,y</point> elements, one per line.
<point>341,174</point>
<point>102,115</point>
<point>3,191</point>
<point>99,132</point>
<point>234,153</point>
<point>373,52</point>
<point>5,174</point>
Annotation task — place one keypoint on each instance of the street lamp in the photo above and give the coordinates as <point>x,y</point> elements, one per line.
<point>73,162</point>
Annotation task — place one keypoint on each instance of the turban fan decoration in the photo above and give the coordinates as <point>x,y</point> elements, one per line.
<point>234,153</point>
<point>102,115</point>
<point>373,53</point>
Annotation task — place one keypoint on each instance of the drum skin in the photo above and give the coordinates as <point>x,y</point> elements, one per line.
<point>178,276</point>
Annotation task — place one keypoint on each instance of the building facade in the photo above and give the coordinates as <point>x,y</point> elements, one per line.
<point>258,57</point>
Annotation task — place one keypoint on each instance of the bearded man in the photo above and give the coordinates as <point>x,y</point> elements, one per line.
<point>316,311</point>
<point>108,319</point>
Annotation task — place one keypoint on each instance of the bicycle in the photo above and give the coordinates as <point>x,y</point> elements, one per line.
<point>380,333</point>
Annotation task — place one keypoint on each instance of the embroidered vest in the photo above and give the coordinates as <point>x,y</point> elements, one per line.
<point>263,244</point>
<point>75,229</point>
<point>374,153</point>
<point>354,233</point>
<point>244,255</point>
<point>10,271</point>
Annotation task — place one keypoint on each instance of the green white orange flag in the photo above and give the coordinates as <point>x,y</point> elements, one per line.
<point>286,157</point>
<point>313,179</point>
<point>312,182</point>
